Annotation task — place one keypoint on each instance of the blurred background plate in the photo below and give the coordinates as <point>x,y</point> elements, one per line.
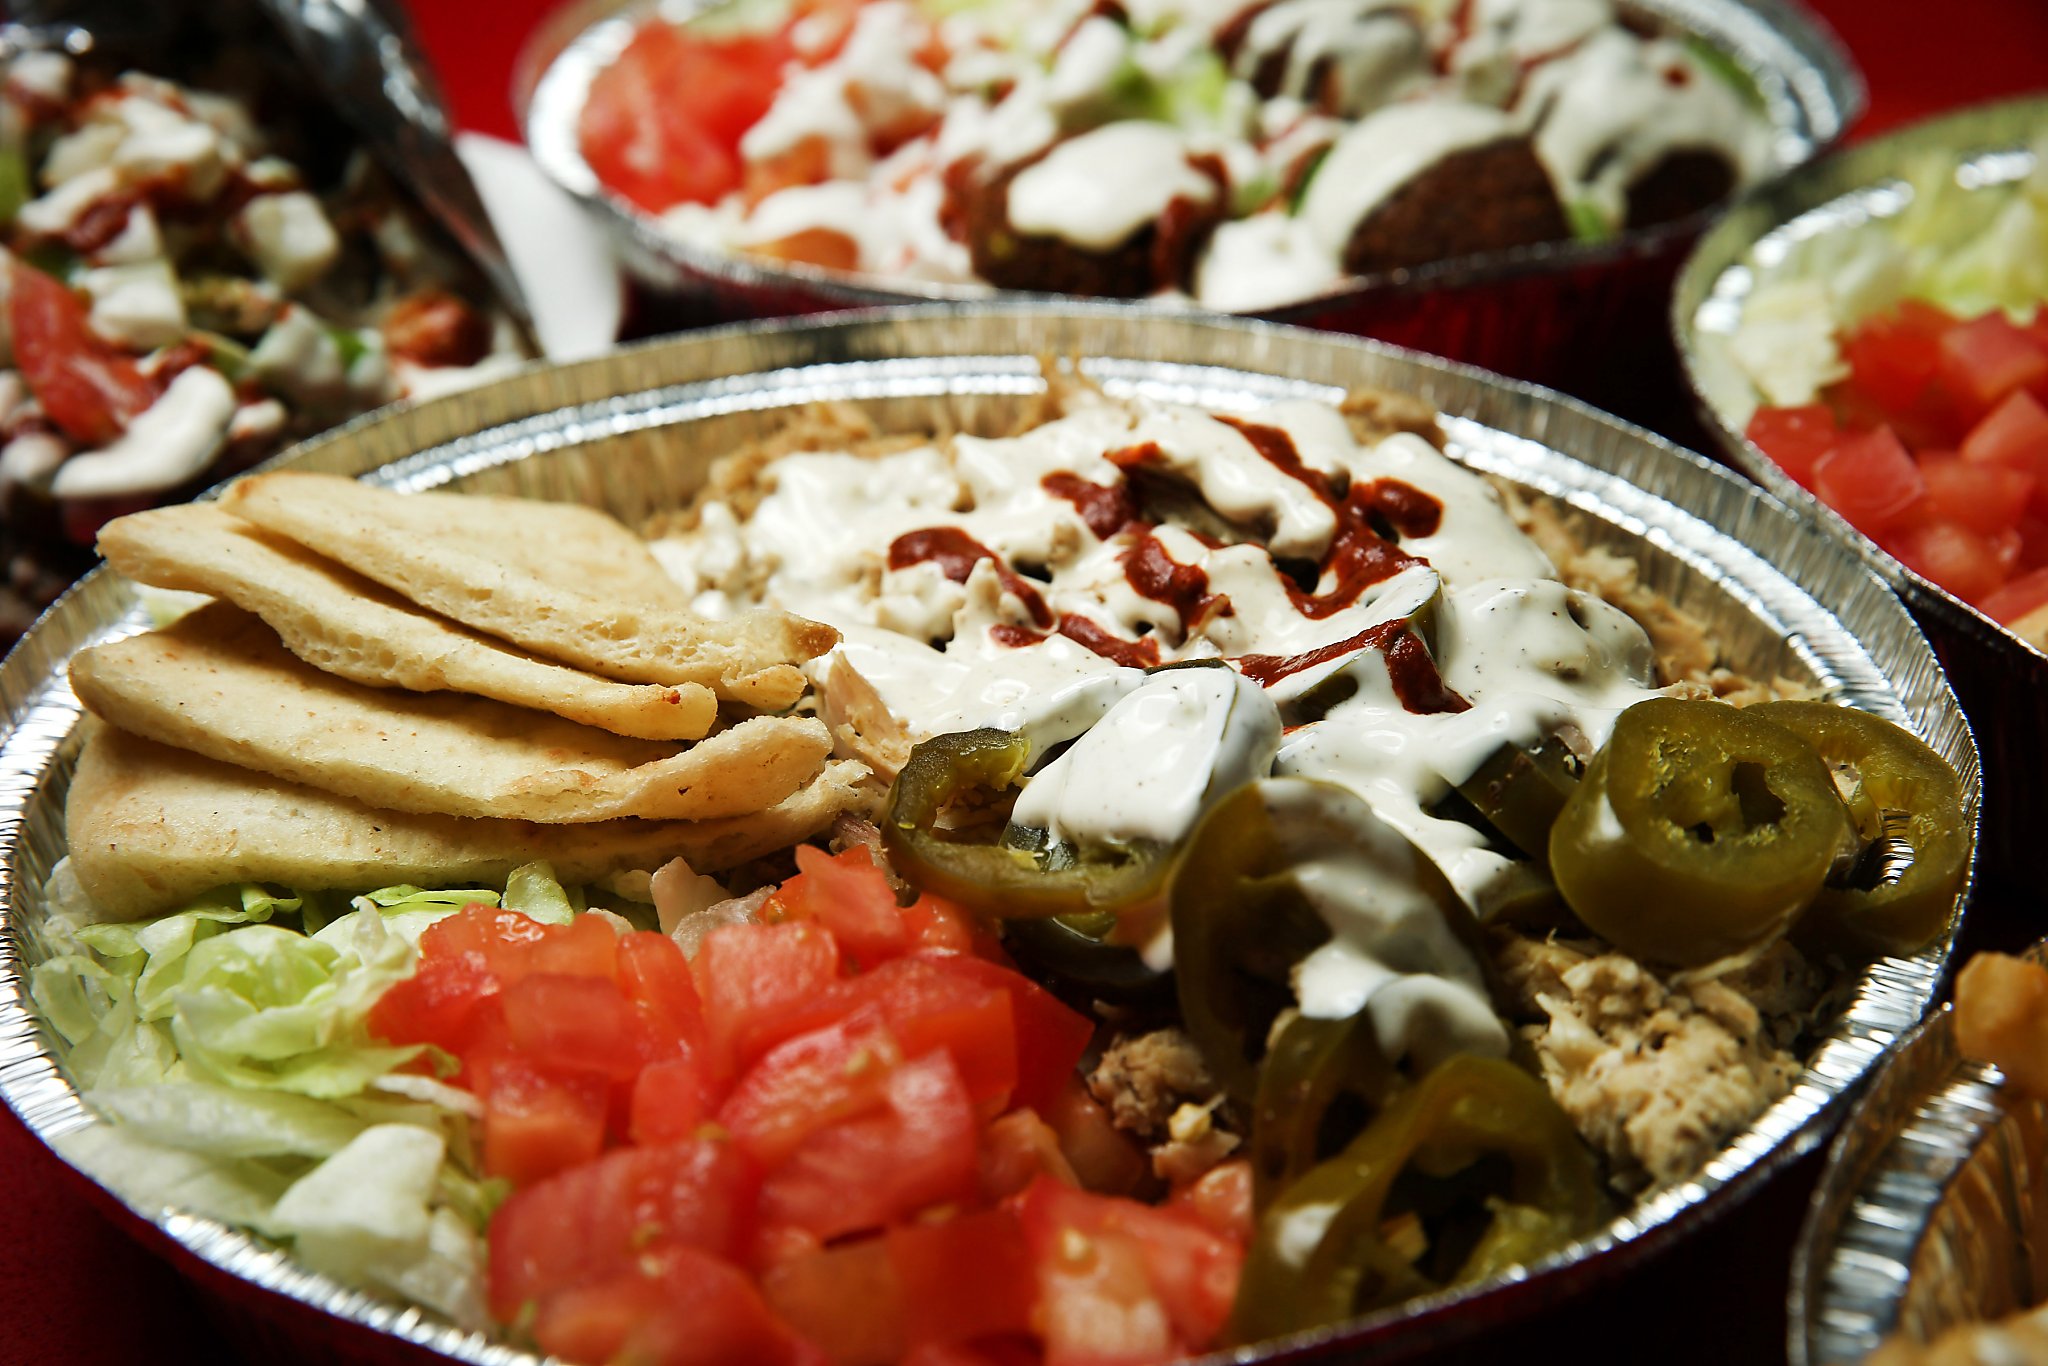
<point>1933,1208</point>
<point>634,432</point>
<point>1534,312</point>
<point>2002,680</point>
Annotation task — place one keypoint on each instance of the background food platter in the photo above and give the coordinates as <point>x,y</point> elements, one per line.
<point>1932,1208</point>
<point>633,432</point>
<point>1996,673</point>
<point>1518,311</point>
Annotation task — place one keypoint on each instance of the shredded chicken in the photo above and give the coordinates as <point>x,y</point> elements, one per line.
<point>1157,1088</point>
<point>1656,1073</point>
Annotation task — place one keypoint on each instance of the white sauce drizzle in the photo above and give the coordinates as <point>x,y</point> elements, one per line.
<point>1531,657</point>
<point>1018,79</point>
<point>1097,189</point>
<point>170,441</point>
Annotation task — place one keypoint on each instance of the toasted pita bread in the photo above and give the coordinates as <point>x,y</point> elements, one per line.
<point>151,827</point>
<point>218,682</point>
<point>346,625</point>
<point>400,542</point>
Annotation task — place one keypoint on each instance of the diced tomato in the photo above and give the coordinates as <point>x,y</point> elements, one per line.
<point>846,1299</point>
<point>1986,498</point>
<point>1987,358</point>
<point>1893,359</point>
<point>656,979</point>
<point>662,124</point>
<point>750,977</point>
<point>1795,438</point>
<point>585,947</point>
<point>1869,478</point>
<point>87,386</point>
<point>591,1222</point>
<point>808,1082</point>
<point>807,162</point>
<point>1005,1351</point>
<point>679,1307</point>
<point>436,1005</point>
<point>2025,594</point>
<point>868,1171</point>
<point>936,923</point>
<point>1124,1281</point>
<point>964,1278</point>
<point>1051,1036</point>
<point>1962,561</point>
<point>575,1023</point>
<point>847,894</point>
<point>1103,1157</point>
<point>941,1001</point>
<point>1016,1149</point>
<point>537,1123</point>
<point>2014,436</point>
<point>1221,1198</point>
<point>671,1100</point>
<point>505,939</point>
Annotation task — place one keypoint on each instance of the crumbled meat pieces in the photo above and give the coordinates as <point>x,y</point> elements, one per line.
<point>1143,1078</point>
<point>1156,1087</point>
<point>1656,1074</point>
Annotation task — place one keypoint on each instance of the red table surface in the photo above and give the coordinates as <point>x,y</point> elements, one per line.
<point>74,1289</point>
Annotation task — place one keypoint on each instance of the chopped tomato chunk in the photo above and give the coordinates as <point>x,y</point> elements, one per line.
<point>663,123</point>
<point>1870,479</point>
<point>87,386</point>
<point>1984,498</point>
<point>750,977</point>
<point>1795,438</point>
<point>538,1122</point>
<point>592,1221</point>
<point>846,1299</point>
<point>2024,595</point>
<point>1987,358</point>
<point>677,1307</point>
<point>869,1170</point>
<point>964,1278</point>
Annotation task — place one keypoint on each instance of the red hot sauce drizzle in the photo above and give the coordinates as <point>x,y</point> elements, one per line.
<point>1358,557</point>
<point>1106,508</point>
<point>1184,587</point>
<point>1420,688</point>
<point>956,553</point>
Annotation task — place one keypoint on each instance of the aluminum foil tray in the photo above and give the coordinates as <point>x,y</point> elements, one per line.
<point>633,432</point>
<point>1527,312</point>
<point>2001,679</point>
<point>1933,1210</point>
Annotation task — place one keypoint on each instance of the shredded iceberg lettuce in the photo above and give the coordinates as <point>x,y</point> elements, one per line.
<point>1951,240</point>
<point>224,1050</point>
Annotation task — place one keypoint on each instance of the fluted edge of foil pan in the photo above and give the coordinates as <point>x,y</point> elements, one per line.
<point>1812,91</point>
<point>1788,599</point>
<point>1922,1216</point>
<point>1842,191</point>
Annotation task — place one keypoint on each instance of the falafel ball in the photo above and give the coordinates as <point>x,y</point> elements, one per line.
<point>1485,198</point>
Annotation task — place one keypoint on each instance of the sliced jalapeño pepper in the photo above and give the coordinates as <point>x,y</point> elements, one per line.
<point>1322,1252</point>
<point>1240,924</point>
<point>1520,791</point>
<point>1699,831</point>
<point>973,864</point>
<point>1078,950</point>
<point>1908,806</point>
<point>1312,1068</point>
